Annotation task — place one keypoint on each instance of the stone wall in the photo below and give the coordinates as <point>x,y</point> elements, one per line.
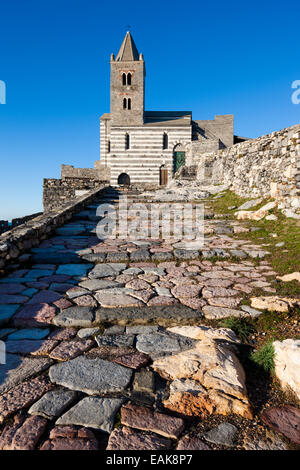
<point>267,166</point>
<point>5,225</point>
<point>74,182</point>
<point>99,173</point>
<point>16,242</point>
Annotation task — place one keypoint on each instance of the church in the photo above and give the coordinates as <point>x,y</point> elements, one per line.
<point>146,148</point>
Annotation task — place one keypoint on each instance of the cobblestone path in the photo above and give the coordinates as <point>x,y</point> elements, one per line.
<point>115,344</point>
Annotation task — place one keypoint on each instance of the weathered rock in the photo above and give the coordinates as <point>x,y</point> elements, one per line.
<point>211,312</point>
<point>225,434</point>
<point>128,439</point>
<point>22,395</point>
<point>92,376</point>
<point>275,303</point>
<point>211,379</point>
<point>67,350</point>
<point>285,420</point>
<point>144,418</point>
<point>191,443</point>
<point>110,299</point>
<point>27,435</point>
<point>287,364</point>
<point>206,333</point>
<point>70,438</point>
<point>87,332</point>
<point>156,344</point>
<point>53,403</point>
<point>270,442</point>
<point>18,368</point>
<point>92,412</point>
<point>134,360</point>
<point>290,277</point>
<point>126,341</point>
<point>75,316</point>
<point>144,381</point>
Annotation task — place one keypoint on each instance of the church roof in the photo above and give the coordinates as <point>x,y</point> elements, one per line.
<point>128,50</point>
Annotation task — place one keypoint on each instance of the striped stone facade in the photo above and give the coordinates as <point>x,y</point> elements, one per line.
<point>145,156</point>
<point>140,144</point>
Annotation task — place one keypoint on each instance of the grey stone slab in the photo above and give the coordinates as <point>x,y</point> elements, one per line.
<point>97,284</point>
<point>141,329</point>
<point>75,316</point>
<point>252,311</point>
<point>133,271</point>
<point>101,271</point>
<point>53,403</point>
<point>224,434</point>
<point>186,254</point>
<point>87,332</point>
<point>93,412</point>
<point>122,340</point>
<point>157,344</point>
<point>18,368</point>
<point>140,255</point>
<point>116,257</point>
<point>162,256</point>
<point>159,314</point>
<point>91,376</point>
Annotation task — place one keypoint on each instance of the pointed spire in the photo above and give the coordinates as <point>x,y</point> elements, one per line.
<point>128,50</point>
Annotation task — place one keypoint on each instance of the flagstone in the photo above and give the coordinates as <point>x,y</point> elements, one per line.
<point>67,350</point>
<point>11,288</point>
<point>6,312</point>
<point>91,376</point>
<point>75,316</point>
<point>13,299</point>
<point>40,314</point>
<point>129,439</point>
<point>44,296</point>
<point>74,269</point>
<point>53,403</point>
<point>18,368</point>
<point>29,333</point>
<point>93,412</point>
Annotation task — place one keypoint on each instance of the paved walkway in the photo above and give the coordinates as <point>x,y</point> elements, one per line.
<point>107,345</point>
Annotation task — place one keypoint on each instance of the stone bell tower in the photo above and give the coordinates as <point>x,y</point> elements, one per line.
<point>127,85</point>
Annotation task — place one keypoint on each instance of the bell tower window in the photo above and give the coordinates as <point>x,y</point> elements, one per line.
<point>165,141</point>
<point>129,78</point>
<point>124,103</point>
<point>127,142</point>
<point>129,103</point>
<point>124,78</point>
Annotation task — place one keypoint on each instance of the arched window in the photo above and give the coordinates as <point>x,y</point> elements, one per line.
<point>124,103</point>
<point>108,146</point>
<point>165,141</point>
<point>129,78</point>
<point>127,142</point>
<point>124,78</point>
<point>129,103</point>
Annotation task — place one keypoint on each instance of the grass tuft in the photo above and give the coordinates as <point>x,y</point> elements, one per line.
<point>242,327</point>
<point>264,357</point>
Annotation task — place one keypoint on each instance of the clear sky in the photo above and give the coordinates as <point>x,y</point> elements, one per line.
<point>208,57</point>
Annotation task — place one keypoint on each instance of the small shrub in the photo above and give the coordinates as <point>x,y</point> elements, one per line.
<point>264,357</point>
<point>241,326</point>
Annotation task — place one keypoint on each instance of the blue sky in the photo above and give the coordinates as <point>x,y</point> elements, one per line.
<point>220,58</point>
